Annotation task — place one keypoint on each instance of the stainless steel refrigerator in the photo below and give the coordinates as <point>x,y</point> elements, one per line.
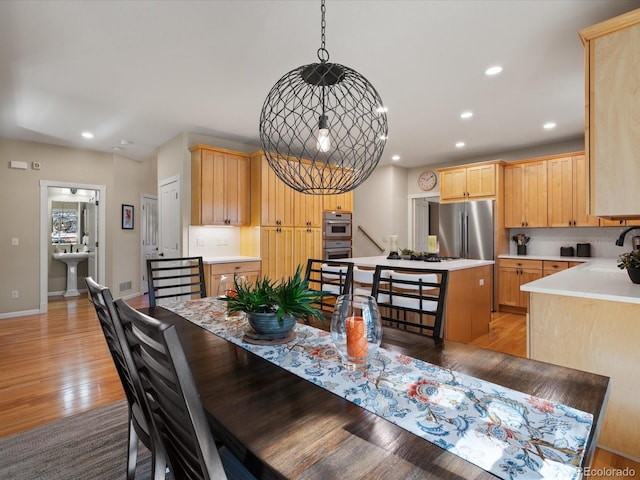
<point>465,230</point>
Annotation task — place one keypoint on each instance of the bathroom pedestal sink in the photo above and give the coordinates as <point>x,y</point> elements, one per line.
<point>72,260</point>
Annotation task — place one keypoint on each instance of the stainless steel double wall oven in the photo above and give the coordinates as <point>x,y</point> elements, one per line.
<point>336,235</point>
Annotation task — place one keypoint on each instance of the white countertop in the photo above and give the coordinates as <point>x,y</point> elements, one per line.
<point>230,259</point>
<point>599,279</point>
<point>418,264</point>
<point>553,258</point>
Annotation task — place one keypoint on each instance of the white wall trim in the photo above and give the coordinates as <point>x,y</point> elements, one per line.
<point>44,233</point>
<point>23,313</point>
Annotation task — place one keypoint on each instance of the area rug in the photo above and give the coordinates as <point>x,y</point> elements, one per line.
<point>89,445</point>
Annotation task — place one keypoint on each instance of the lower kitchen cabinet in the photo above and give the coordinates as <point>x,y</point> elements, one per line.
<point>307,243</point>
<point>214,271</point>
<point>513,273</point>
<point>468,305</point>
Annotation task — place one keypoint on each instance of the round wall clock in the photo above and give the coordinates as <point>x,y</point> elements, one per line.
<point>427,180</point>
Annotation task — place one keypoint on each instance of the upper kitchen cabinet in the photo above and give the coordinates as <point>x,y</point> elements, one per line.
<point>340,202</point>
<point>220,186</point>
<point>612,121</point>
<point>525,195</point>
<point>568,192</point>
<point>474,181</point>
<point>272,199</point>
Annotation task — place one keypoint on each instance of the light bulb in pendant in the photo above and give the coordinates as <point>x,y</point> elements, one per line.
<point>324,142</point>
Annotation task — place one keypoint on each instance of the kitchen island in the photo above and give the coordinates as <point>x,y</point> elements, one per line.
<point>587,317</point>
<point>469,292</point>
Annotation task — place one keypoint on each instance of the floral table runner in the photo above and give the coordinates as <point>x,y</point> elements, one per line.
<point>508,433</point>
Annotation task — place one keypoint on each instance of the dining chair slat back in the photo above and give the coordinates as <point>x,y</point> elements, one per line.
<point>171,391</point>
<point>140,423</point>
<point>175,277</point>
<point>412,300</point>
<point>331,276</point>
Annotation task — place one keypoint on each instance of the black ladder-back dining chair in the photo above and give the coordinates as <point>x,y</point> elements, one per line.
<point>175,277</point>
<point>140,422</point>
<point>411,299</point>
<point>171,391</point>
<point>331,276</point>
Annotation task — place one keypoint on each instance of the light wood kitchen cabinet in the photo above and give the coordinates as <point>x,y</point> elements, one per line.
<point>619,223</point>
<point>340,202</point>
<point>307,243</point>
<point>220,187</point>
<point>612,56</point>
<point>214,271</point>
<point>276,251</point>
<point>468,305</point>
<point>549,267</point>
<point>514,273</point>
<point>307,210</point>
<point>472,181</point>
<point>525,195</point>
<point>272,199</point>
<point>568,192</point>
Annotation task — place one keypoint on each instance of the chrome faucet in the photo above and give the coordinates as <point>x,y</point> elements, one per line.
<point>620,240</point>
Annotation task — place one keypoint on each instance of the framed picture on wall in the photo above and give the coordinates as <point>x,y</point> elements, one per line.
<point>127,217</point>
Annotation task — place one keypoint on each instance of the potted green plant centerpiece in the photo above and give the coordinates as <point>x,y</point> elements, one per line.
<point>631,262</point>
<point>273,308</point>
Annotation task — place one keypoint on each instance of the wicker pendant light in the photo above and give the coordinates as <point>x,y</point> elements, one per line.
<point>323,126</point>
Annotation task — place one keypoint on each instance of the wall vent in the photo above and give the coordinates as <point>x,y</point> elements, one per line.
<point>125,286</point>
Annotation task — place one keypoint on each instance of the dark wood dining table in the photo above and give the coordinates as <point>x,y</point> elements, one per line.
<point>282,426</point>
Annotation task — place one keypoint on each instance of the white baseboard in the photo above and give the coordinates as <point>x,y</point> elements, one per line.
<point>23,313</point>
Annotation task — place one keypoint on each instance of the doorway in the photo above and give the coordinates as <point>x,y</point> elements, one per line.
<point>170,230</point>
<point>418,227</point>
<point>77,221</point>
<point>148,234</point>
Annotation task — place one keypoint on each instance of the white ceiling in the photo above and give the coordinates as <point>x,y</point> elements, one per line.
<point>145,71</point>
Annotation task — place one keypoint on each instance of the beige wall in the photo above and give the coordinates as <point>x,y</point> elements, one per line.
<point>124,179</point>
<point>380,206</point>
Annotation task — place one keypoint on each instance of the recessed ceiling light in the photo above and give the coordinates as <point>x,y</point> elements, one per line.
<point>126,142</point>
<point>87,134</point>
<point>395,158</point>
<point>459,144</point>
<point>493,70</point>
<point>549,125</point>
<point>118,148</point>
<point>466,115</point>
<point>382,109</point>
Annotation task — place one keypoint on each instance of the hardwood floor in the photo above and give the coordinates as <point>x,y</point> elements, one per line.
<point>57,364</point>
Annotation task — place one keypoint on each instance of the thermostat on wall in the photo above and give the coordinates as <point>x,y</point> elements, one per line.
<point>18,165</point>
<point>35,165</point>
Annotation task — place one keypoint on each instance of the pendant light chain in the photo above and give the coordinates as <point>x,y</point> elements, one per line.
<point>323,54</point>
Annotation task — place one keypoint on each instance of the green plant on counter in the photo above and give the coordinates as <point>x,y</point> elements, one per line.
<point>406,251</point>
<point>629,260</point>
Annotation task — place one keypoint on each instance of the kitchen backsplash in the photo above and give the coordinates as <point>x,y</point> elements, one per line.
<point>214,241</point>
<point>547,241</point>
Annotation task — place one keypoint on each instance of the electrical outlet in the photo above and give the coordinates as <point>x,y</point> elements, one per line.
<point>15,294</point>
<point>481,282</point>
<point>200,242</point>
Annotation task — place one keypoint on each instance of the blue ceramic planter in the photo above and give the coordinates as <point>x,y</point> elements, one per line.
<point>268,323</point>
